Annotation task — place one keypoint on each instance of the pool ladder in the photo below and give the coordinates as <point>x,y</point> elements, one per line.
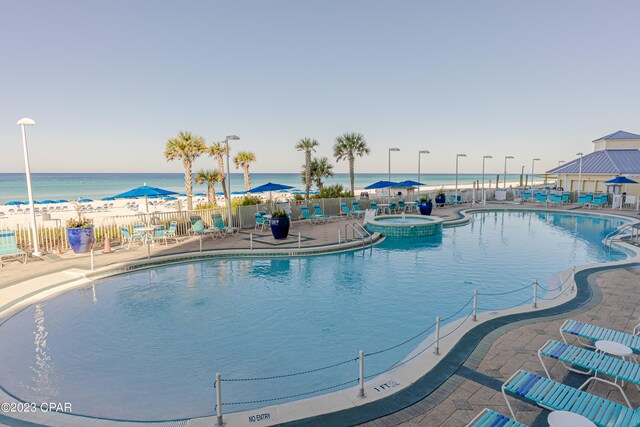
<point>357,228</point>
<point>635,232</point>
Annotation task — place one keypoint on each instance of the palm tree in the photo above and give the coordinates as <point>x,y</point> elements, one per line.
<point>307,145</point>
<point>210,177</point>
<point>348,146</point>
<point>244,159</point>
<point>187,147</point>
<point>218,150</point>
<point>320,168</point>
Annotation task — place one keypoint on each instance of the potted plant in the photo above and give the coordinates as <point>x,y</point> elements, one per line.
<point>440,197</point>
<point>80,235</point>
<point>279,223</point>
<point>425,206</point>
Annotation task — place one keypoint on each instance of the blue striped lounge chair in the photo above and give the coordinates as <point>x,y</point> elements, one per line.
<point>591,361</point>
<point>171,233</point>
<point>127,237</point>
<point>159,233</point>
<point>596,333</point>
<point>9,247</point>
<point>199,229</point>
<point>356,208</point>
<point>489,418</point>
<point>556,396</point>
<point>306,214</point>
<point>317,210</point>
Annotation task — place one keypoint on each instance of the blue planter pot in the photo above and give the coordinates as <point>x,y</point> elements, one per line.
<point>81,239</point>
<point>279,227</point>
<point>425,208</point>
<point>440,200</point>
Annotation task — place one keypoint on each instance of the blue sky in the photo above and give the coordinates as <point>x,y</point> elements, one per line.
<point>109,82</point>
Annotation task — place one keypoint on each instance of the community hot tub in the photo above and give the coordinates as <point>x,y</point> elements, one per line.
<point>405,225</point>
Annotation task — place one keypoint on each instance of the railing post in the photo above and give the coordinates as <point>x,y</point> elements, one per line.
<point>251,241</point>
<point>200,239</point>
<point>299,238</point>
<point>437,350</point>
<point>361,391</point>
<point>475,305</point>
<point>535,293</point>
<point>219,399</point>
<point>338,236</point>
<point>573,279</point>
<point>91,259</point>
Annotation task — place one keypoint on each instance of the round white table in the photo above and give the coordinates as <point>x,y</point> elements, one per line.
<point>614,348</point>
<point>568,419</point>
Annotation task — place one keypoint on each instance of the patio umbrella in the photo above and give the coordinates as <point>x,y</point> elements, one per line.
<point>144,191</point>
<point>15,203</point>
<point>408,183</point>
<point>620,180</point>
<point>269,186</point>
<point>382,184</point>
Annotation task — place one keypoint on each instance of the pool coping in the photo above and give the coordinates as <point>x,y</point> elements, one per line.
<point>414,388</point>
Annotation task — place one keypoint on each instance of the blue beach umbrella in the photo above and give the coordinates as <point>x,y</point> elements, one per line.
<point>145,191</point>
<point>63,201</point>
<point>106,199</point>
<point>182,194</point>
<point>200,195</point>
<point>238,193</point>
<point>47,202</point>
<point>270,186</point>
<point>84,200</point>
<point>15,203</point>
<point>381,184</point>
<point>408,183</point>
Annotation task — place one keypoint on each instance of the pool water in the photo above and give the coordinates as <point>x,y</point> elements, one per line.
<point>145,345</point>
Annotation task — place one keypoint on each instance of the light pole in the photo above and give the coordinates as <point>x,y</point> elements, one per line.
<point>420,153</point>
<point>579,173</point>
<point>532,165</point>
<point>226,141</point>
<point>34,229</point>
<point>457,157</point>
<point>504,184</point>
<point>484,199</point>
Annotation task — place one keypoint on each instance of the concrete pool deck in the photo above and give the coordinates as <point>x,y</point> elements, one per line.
<point>422,413</point>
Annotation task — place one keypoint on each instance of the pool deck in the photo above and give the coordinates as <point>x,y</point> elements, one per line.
<point>475,384</point>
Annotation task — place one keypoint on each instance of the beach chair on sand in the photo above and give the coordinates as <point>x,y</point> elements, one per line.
<point>312,218</point>
<point>596,333</point>
<point>9,247</point>
<point>489,418</point>
<point>556,396</point>
<point>216,221</point>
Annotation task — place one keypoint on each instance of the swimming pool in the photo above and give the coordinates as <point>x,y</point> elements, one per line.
<point>145,345</point>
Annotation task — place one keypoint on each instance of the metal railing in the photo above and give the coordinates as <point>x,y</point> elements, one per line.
<point>633,227</point>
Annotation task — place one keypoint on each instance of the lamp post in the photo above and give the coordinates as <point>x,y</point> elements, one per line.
<point>457,157</point>
<point>504,184</point>
<point>532,165</point>
<point>34,229</point>
<point>579,173</point>
<point>226,141</point>
<point>420,153</point>
<point>484,199</point>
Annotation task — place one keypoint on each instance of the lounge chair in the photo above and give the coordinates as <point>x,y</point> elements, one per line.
<point>171,232</point>
<point>375,207</point>
<point>356,208</point>
<point>216,221</point>
<point>159,233</point>
<point>130,238</point>
<point>556,396</point>
<point>344,210</point>
<point>261,221</point>
<point>592,361</point>
<point>312,218</point>
<point>199,229</point>
<point>9,247</point>
<point>596,333</point>
<point>489,418</point>
<point>317,210</point>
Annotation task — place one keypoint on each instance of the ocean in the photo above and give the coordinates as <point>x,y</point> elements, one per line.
<point>72,186</point>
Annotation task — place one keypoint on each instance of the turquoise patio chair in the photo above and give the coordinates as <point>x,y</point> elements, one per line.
<point>171,233</point>
<point>216,221</point>
<point>402,206</point>
<point>556,396</point>
<point>306,214</point>
<point>344,210</point>
<point>138,232</point>
<point>375,207</point>
<point>159,233</point>
<point>261,221</point>
<point>317,210</point>
<point>130,238</point>
<point>489,418</point>
<point>526,195</point>
<point>392,208</point>
<point>199,229</point>
<point>596,333</point>
<point>356,208</point>
<point>591,361</point>
<point>9,247</point>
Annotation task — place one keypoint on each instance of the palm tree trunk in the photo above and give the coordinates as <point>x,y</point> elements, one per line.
<point>188,182</point>
<point>212,194</point>
<point>352,175</point>
<point>247,178</point>
<point>307,173</point>
<point>224,178</point>
<point>319,183</point>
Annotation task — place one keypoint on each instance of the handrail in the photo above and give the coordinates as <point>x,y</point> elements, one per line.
<point>609,238</point>
<point>355,230</point>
